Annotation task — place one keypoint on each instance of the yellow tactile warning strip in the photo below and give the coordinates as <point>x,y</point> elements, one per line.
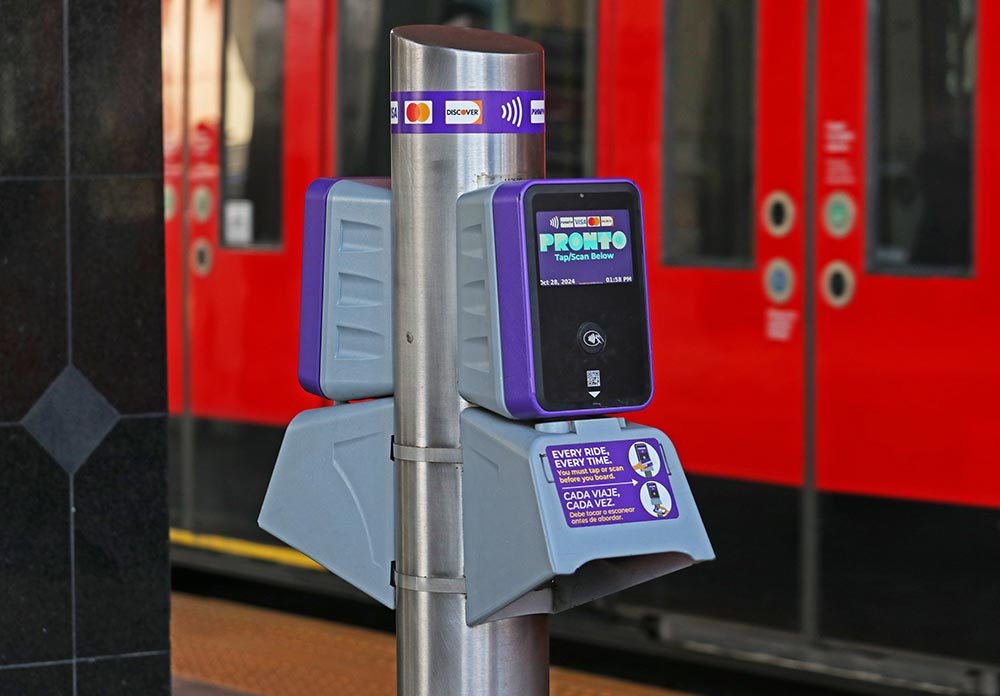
<point>268,653</point>
<point>247,549</point>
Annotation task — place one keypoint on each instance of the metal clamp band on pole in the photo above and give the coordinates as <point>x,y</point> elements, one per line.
<point>435,455</point>
<point>421,584</point>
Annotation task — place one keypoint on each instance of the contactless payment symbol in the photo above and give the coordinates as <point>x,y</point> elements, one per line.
<point>418,112</point>
<point>512,112</point>
<point>463,111</point>
<point>593,338</point>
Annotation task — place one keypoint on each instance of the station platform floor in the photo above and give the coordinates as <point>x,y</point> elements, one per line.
<point>222,648</point>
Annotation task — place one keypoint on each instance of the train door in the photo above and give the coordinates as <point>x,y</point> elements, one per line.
<point>713,131</point>
<point>824,293</point>
<point>907,280</point>
<point>258,123</point>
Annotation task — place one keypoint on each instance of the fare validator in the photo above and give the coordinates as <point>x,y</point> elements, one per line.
<point>564,501</point>
<point>562,329</point>
<point>560,500</point>
<point>553,331</point>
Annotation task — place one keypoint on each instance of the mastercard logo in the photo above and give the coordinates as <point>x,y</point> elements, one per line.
<point>418,112</point>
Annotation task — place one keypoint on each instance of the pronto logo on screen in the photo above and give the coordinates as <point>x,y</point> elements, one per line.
<point>597,245</point>
<point>419,112</point>
<point>463,111</point>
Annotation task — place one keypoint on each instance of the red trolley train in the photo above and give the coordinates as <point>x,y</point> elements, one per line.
<point>818,177</point>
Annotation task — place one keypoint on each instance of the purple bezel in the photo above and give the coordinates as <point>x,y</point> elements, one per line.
<point>313,261</point>
<point>519,390</point>
<point>313,270</point>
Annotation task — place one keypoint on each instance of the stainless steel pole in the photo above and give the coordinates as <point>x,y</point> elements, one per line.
<point>438,654</point>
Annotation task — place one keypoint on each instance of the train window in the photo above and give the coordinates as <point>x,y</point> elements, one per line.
<point>562,29</point>
<point>921,145</point>
<point>708,161</point>
<point>252,83</point>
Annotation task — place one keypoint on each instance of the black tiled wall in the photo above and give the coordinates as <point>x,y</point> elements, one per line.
<point>84,582</point>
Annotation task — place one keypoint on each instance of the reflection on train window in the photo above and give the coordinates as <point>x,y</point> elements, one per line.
<point>924,86</point>
<point>563,28</point>
<point>709,132</point>
<point>251,116</point>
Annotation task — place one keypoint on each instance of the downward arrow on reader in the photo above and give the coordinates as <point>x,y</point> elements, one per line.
<point>594,394</point>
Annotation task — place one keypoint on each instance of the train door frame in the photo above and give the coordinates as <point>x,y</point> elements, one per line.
<point>224,392</point>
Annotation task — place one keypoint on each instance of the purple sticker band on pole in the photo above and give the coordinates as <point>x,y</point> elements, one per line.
<point>612,482</point>
<point>467,112</point>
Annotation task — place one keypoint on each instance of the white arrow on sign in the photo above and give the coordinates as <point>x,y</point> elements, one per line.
<point>594,394</point>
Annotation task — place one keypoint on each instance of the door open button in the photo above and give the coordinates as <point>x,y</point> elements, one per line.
<point>591,337</point>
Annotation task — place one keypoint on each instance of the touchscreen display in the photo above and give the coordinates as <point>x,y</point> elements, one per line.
<point>585,265</point>
<point>583,247</point>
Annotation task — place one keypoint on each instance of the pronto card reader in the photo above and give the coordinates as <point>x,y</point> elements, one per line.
<point>553,316</point>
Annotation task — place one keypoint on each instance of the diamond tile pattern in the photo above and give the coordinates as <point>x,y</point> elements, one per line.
<point>84,578</point>
<point>70,419</point>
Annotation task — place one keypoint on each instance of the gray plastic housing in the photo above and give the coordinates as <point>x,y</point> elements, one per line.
<point>355,340</point>
<point>332,493</point>
<point>521,555</point>
<point>480,364</point>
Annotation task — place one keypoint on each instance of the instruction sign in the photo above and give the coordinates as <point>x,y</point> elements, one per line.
<point>612,482</point>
